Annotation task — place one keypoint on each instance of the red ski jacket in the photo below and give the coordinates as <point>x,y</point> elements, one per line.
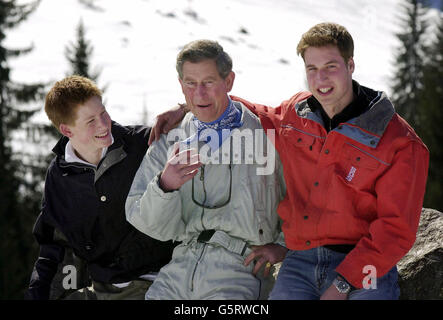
<point>362,183</point>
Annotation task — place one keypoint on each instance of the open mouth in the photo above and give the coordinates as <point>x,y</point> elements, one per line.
<point>103,135</point>
<point>203,105</point>
<point>325,91</point>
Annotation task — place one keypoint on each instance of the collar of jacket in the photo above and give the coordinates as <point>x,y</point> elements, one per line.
<point>115,154</point>
<point>368,128</point>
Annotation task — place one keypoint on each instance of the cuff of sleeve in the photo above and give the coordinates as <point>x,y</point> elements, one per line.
<point>353,278</point>
<point>159,191</point>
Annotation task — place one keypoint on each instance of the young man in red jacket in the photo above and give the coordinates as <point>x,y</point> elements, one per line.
<point>355,173</point>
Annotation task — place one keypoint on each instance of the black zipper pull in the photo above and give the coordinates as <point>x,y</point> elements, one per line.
<point>202,173</point>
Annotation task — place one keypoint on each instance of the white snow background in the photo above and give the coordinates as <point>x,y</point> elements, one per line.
<point>136,42</point>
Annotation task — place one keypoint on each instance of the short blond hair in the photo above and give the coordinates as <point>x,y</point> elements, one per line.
<point>325,34</point>
<point>64,98</point>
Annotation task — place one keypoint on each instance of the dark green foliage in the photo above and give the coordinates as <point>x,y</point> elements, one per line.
<point>20,172</point>
<point>418,88</point>
<point>79,55</point>
<point>408,79</point>
<point>431,112</point>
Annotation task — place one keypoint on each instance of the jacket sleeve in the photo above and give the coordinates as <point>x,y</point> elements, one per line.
<point>150,209</point>
<point>282,193</point>
<point>51,254</point>
<point>400,192</point>
<point>141,134</point>
<point>270,117</point>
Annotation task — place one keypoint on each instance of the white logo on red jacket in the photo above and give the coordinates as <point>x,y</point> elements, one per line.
<point>351,174</point>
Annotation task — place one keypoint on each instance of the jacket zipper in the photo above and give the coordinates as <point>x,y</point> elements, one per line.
<point>202,179</point>
<point>195,267</point>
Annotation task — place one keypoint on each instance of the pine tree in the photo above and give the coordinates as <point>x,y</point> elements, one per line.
<point>431,113</point>
<point>79,55</point>
<point>418,90</point>
<point>412,55</point>
<point>18,205</point>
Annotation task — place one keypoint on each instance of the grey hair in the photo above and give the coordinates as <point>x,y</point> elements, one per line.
<point>200,50</point>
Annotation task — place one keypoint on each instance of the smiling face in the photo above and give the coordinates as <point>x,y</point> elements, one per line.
<point>329,77</point>
<point>91,131</point>
<point>206,92</point>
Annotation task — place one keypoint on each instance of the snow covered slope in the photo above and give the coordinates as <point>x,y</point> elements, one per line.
<point>136,42</point>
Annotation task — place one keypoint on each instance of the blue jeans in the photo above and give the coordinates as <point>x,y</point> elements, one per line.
<point>305,275</point>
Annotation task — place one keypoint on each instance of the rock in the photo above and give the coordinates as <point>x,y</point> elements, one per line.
<point>421,269</point>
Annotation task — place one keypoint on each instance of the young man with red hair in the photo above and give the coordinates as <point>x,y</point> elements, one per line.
<point>83,210</point>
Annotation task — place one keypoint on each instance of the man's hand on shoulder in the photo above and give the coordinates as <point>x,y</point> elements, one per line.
<point>166,121</point>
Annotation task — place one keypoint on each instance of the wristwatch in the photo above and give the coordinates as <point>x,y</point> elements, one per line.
<point>342,285</point>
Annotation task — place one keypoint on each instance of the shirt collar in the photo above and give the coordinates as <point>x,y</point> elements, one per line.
<point>357,106</point>
<point>70,155</point>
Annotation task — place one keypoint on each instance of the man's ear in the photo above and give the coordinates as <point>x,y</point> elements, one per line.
<point>230,81</point>
<point>65,130</point>
<point>351,65</point>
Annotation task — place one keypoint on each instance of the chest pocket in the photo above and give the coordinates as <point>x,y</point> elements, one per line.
<point>359,158</point>
<point>297,138</point>
<point>359,168</point>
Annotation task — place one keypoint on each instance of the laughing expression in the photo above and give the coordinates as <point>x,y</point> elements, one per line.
<point>91,131</point>
<point>329,78</point>
<point>206,92</point>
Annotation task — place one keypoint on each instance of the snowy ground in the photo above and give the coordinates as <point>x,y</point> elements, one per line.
<point>136,42</point>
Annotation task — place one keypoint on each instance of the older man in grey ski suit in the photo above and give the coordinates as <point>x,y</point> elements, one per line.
<point>222,208</point>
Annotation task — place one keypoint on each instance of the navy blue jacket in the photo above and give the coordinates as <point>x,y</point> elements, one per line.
<point>84,209</point>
